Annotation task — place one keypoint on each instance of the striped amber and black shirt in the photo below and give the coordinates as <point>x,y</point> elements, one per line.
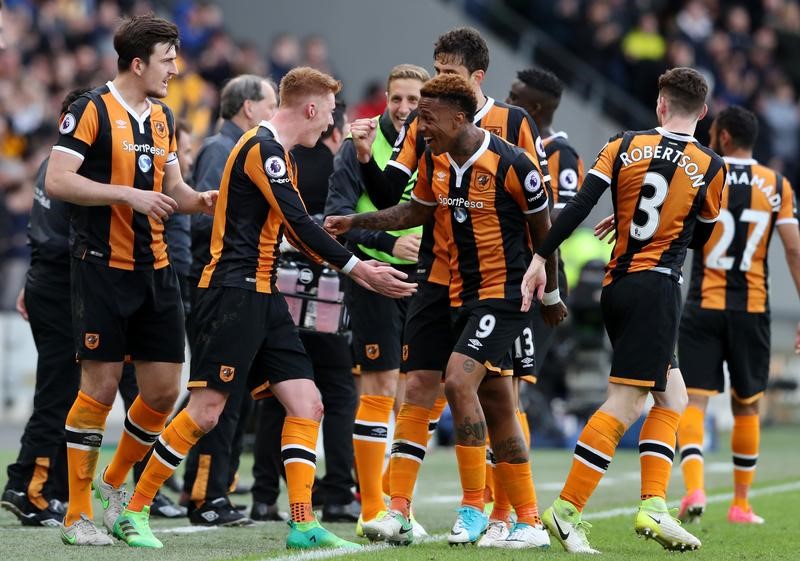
<point>731,271</point>
<point>481,208</point>
<point>119,147</point>
<point>509,122</point>
<point>258,203</point>
<point>565,167</point>
<point>661,183</point>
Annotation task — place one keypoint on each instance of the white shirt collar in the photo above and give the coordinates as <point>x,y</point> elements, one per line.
<point>740,161</point>
<point>675,136</point>
<point>559,134</point>
<point>140,119</point>
<point>461,170</point>
<point>272,129</point>
<point>484,110</point>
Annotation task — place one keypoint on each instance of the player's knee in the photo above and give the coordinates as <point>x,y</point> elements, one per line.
<point>164,400</point>
<point>308,408</point>
<point>739,408</point>
<point>205,407</point>
<point>103,391</point>
<point>420,390</point>
<point>456,389</point>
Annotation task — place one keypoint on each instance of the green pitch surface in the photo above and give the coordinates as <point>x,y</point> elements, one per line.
<point>776,494</point>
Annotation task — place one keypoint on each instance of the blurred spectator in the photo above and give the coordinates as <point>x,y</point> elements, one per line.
<point>748,50</point>
<point>284,54</point>
<point>58,45</point>
<point>315,54</point>
<point>373,103</point>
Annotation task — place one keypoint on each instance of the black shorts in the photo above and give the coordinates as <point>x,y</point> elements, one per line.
<point>376,322</point>
<point>245,339</point>
<point>641,313</point>
<point>526,349</point>
<point>710,337</point>
<point>487,331</point>
<point>428,338</point>
<point>119,314</point>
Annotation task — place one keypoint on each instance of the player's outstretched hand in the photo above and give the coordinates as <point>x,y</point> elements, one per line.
<point>533,282</point>
<point>407,247</point>
<point>555,314</point>
<point>207,201</point>
<point>152,203</point>
<point>382,278</point>
<point>338,225</point>
<point>605,227</point>
<point>363,132</point>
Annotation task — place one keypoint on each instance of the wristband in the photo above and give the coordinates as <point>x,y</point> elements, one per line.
<point>550,298</point>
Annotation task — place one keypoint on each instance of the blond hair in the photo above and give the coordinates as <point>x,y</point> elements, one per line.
<point>407,72</point>
<point>302,82</point>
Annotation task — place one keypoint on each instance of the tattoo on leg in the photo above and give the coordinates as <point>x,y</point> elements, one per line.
<point>470,433</point>
<point>469,366</point>
<point>511,450</point>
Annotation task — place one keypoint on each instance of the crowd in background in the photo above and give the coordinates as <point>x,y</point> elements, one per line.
<point>55,46</point>
<point>749,51</point>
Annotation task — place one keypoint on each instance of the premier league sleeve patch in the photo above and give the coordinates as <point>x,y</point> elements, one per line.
<point>568,179</point>
<point>540,147</point>
<point>68,124</point>
<point>275,167</point>
<point>533,182</point>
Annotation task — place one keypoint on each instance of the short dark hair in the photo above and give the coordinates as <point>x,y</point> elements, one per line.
<point>685,89</point>
<point>466,46</point>
<point>70,98</point>
<point>338,119</point>
<point>740,123</point>
<point>137,36</point>
<point>238,90</point>
<point>453,90</point>
<point>542,80</point>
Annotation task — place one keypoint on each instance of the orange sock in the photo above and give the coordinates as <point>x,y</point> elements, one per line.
<point>436,414</point>
<point>370,435</point>
<point>472,471</point>
<point>408,453</point>
<point>501,509</point>
<point>657,450</point>
<point>142,427</point>
<point>593,454</point>
<point>690,440</point>
<point>518,484</point>
<point>526,428</point>
<point>744,445</point>
<point>387,477</point>
<point>488,490</point>
<point>298,452</point>
<point>168,452</point>
<point>84,426</point>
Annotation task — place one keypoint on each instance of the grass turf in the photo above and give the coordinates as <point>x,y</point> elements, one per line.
<point>438,494</point>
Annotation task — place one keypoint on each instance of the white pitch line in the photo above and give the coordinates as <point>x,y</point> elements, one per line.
<point>718,498</point>
<point>186,529</point>
<point>601,515</point>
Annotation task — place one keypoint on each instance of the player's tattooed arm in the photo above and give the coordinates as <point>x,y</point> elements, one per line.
<point>399,217</point>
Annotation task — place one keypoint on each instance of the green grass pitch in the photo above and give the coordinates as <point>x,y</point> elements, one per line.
<point>777,491</point>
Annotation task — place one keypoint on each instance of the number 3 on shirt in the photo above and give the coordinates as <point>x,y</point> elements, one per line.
<point>650,206</point>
